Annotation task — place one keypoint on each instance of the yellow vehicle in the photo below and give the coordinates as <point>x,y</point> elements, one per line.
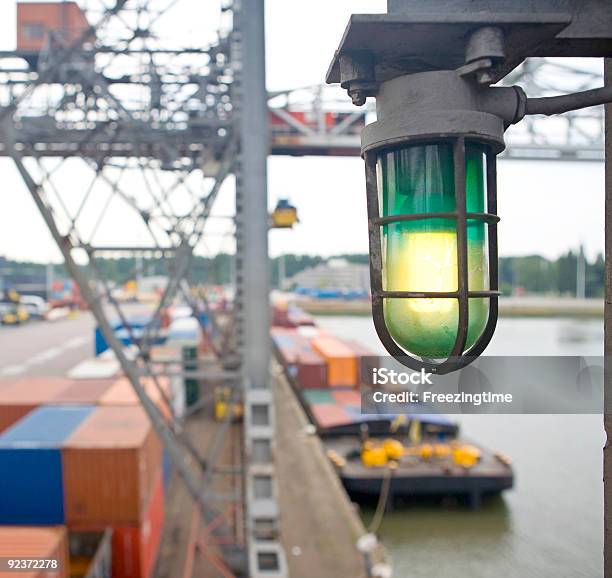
<point>22,314</point>
<point>284,215</point>
<point>12,311</point>
<point>224,403</point>
<point>8,314</point>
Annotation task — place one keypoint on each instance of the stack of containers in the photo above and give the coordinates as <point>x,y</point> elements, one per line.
<point>82,454</point>
<point>333,407</point>
<point>34,542</point>
<point>324,409</point>
<point>367,361</point>
<point>284,315</point>
<point>288,343</point>
<point>299,358</point>
<point>350,401</point>
<point>171,357</point>
<point>112,478</point>
<point>311,370</point>
<point>328,370</point>
<point>330,415</point>
<point>349,398</point>
<point>31,484</point>
<point>280,315</point>
<point>297,317</point>
<point>342,363</point>
<point>19,397</point>
<point>82,392</point>
<point>121,393</point>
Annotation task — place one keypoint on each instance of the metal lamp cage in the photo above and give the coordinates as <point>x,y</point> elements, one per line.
<point>459,356</point>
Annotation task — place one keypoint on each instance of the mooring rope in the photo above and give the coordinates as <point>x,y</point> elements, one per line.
<point>382,500</point>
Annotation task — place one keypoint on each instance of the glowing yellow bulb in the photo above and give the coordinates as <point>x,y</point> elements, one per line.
<point>425,261</point>
<point>422,261</point>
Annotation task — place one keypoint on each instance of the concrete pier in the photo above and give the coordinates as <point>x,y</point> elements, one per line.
<point>530,306</point>
<point>320,526</point>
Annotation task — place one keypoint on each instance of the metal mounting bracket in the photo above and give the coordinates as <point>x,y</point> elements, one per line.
<point>400,44</point>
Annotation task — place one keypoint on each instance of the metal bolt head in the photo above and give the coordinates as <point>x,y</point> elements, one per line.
<point>358,97</point>
<point>484,77</point>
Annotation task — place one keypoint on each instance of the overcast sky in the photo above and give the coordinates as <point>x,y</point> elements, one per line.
<point>546,207</point>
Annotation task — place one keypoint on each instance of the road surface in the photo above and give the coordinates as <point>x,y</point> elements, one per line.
<point>45,349</point>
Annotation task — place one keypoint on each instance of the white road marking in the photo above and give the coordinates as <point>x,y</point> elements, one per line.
<point>44,356</point>
<point>76,342</point>
<point>13,370</point>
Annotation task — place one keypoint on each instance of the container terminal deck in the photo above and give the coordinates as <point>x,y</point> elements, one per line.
<point>310,493</point>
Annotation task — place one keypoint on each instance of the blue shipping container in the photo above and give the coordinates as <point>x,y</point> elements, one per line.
<point>137,324</point>
<point>31,485</point>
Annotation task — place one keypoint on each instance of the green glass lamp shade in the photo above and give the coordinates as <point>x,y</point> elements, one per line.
<point>421,255</point>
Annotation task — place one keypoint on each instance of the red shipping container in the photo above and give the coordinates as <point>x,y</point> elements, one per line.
<point>280,317</point>
<point>18,397</point>
<point>297,317</point>
<point>311,370</point>
<point>326,415</point>
<point>111,463</point>
<point>33,542</point>
<point>280,330</point>
<point>349,397</point>
<point>135,548</point>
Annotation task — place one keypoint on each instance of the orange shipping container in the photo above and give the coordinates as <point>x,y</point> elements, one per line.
<point>368,360</point>
<point>135,548</point>
<point>18,397</point>
<point>29,542</point>
<point>83,392</point>
<point>36,19</point>
<point>111,463</point>
<point>121,393</point>
<point>342,363</point>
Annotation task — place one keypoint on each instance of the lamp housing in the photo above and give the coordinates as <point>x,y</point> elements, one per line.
<point>430,157</point>
<point>432,216</point>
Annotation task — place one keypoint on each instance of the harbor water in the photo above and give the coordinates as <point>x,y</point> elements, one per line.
<point>550,525</point>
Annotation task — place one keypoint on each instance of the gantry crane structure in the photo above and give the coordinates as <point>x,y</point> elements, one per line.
<point>112,127</point>
<point>317,120</point>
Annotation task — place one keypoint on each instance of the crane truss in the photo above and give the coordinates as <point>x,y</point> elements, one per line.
<point>319,120</point>
<point>120,134</point>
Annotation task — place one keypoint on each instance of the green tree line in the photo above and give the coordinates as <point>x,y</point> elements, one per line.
<point>526,274</point>
<point>535,274</point>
